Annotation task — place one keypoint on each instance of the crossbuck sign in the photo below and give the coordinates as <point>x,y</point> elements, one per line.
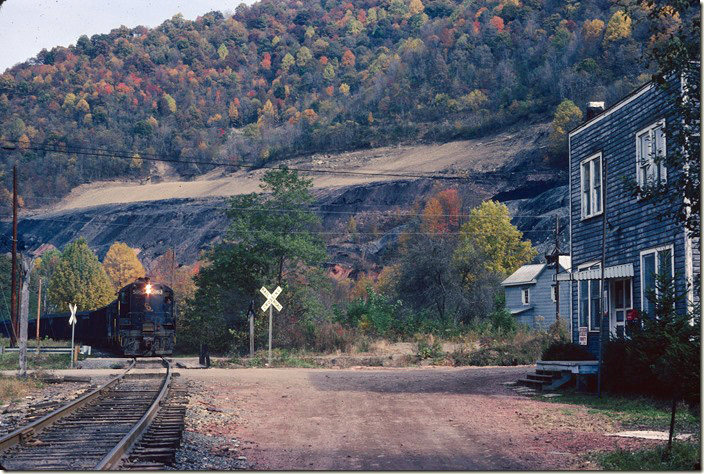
<point>271,298</point>
<point>73,308</point>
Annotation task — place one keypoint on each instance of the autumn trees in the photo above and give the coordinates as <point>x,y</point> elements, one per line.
<point>451,269</point>
<point>121,265</point>
<point>80,279</point>
<point>278,79</point>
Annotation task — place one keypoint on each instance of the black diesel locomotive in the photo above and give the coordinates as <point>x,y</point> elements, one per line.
<point>140,322</point>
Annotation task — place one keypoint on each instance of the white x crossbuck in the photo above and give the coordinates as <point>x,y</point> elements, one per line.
<point>271,298</point>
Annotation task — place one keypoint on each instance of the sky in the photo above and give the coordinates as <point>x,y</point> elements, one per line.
<point>28,26</point>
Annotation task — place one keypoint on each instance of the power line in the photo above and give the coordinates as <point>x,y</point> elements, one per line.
<point>148,156</point>
<point>115,224</point>
<point>161,158</point>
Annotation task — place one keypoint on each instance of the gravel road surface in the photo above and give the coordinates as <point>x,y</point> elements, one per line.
<point>415,418</point>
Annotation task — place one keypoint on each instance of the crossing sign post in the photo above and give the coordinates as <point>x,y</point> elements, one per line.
<point>271,301</point>
<point>72,322</point>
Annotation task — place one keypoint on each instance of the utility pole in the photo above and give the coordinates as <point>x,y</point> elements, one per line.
<point>603,310</point>
<point>557,269</point>
<point>173,264</point>
<point>39,310</point>
<point>13,297</point>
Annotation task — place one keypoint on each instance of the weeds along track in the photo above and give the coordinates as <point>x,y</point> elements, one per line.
<point>134,421</point>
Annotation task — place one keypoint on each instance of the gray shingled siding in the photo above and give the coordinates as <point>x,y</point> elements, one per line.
<point>636,224</point>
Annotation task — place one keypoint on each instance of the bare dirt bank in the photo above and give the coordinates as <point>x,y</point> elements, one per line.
<point>467,156</point>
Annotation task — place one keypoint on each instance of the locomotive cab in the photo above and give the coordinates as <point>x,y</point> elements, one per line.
<point>145,319</point>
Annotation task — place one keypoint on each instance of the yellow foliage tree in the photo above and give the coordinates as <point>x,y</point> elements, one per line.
<point>567,116</point>
<point>83,106</point>
<point>136,162</point>
<point>489,231</point>
<point>619,27</point>
<point>592,29</point>
<point>416,7</point>
<point>476,99</point>
<point>121,265</point>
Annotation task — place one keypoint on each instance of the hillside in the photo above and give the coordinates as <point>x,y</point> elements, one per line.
<point>189,215</point>
<point>282,79</point>
<point>490,161</point>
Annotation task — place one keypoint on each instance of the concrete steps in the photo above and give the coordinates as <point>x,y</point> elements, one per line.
<point>546,379</point>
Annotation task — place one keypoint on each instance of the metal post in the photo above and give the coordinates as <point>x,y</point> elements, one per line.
<point>603,310</point>
<point>557,269</point>
<point>73,331</point>
<point>271,319</point>
<point>251,335</point>
<point>39,311</point>
<point>13,297</point>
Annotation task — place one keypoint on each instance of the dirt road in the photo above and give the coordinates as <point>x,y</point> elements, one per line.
<point>370,419</point>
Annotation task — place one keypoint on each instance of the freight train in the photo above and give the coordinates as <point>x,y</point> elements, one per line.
<point>140,322</point>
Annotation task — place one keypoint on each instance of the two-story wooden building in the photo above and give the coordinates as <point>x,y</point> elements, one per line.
<point>614,147</point>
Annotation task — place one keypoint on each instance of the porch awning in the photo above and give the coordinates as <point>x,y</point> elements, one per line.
<point>616,271</point>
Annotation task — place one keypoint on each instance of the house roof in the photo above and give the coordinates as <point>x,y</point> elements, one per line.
<point>514,312</point>
<point>627,99</point>
<point>524,275</point>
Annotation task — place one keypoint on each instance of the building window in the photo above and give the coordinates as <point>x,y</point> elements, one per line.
<point>589,300</point>
<point>592,193</point>
<point>650,155</point>
<point>654,262</point>
<point>553,295</point>
<point>525,295</point>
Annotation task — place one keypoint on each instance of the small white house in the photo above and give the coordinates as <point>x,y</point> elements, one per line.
<point>531,294</point>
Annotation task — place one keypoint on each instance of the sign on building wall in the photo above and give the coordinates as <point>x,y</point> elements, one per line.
<point>582,336</point>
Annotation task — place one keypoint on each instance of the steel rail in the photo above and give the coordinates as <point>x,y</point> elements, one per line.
<point>114,457</point>
<point>16,437</point>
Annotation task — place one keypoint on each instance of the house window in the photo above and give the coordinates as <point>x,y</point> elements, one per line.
<point>525,296</point>
<point>589,300</point>
<point>553,295</point>
<point>591,186</point>
<point>650,155</point>
<point>654,262</point>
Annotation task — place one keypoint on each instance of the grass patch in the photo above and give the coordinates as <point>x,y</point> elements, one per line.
<point>633,413</point>
<point>279,358</point>
<point>684,457</point>
<point>46,342</point>
<point>10,361</point>
<point>14,388</point>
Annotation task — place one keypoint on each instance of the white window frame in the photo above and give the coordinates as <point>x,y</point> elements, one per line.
<point>586,266</point>
<point>525,296</point>
<point>647,158</point>
<point>553,291</point>
<point>656,251</point>
<point>591,193</point>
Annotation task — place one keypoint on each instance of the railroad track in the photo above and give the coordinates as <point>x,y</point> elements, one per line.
<point>134,421</point>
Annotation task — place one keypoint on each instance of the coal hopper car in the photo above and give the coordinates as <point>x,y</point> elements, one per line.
<point>140,322</point>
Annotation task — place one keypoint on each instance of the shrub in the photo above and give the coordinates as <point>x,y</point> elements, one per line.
<point>566,351</point>
<point>373,316</point>
<point>558,331</point>
<point>502,319</point>
<point>330,337</point>
<point>429,348</point>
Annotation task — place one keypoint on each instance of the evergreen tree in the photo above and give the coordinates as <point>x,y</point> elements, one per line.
<point>79,278</point>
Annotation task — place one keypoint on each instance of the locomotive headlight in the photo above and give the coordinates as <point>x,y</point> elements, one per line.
<point>149,289</point>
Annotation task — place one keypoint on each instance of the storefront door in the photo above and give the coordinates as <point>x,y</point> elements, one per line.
<point>621,301</point>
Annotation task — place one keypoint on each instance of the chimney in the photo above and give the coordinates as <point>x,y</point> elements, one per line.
<point>594,109</point>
